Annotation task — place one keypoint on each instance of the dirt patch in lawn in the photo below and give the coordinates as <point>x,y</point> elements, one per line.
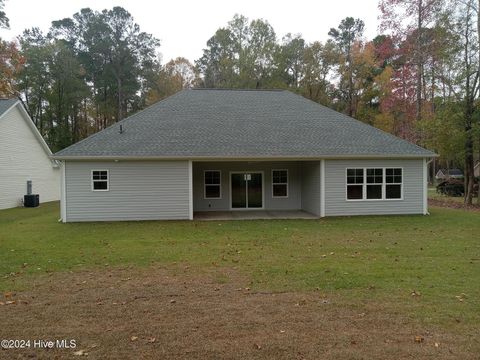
<point>453,204</point>
<point>182,313</point>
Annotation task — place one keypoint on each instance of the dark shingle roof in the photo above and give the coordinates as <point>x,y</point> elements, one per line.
<point>6,104</point>
<point>240,123</point>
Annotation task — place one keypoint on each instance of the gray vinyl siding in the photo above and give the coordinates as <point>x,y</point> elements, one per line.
<point>139,190</point>
<point>311,187</point>
<point>292,202</point>
<point>335,189</point>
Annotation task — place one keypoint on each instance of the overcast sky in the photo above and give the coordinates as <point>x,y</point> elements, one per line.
<point>185,26</point>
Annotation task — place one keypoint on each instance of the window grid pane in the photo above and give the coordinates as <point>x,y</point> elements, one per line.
<point>279,177</point>
<point>212,177</point>
<point>355,176</point>
<point>279,190</point>
<point>374,176</point>
<point>393,191</point>
<point>355,192</point>
<point>212,191</point>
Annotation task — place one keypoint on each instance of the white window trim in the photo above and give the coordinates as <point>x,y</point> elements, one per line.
<point>205,185</point>
<point>108,180</point>
<point>285,183</point>
<point>364,185</point>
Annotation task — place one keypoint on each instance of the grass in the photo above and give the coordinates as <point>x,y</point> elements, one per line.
<point>358,258</point>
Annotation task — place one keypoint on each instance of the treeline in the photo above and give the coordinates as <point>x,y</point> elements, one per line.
<point>417,79</point>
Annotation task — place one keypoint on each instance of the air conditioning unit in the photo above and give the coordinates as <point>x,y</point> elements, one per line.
<point>30,200</point>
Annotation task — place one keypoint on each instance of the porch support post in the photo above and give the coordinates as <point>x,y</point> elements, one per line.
<point>425,186</point>
<point>190,190</point>
<point>322,188</point>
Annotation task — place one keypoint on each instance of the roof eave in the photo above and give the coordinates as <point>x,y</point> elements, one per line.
<point>242,158</point>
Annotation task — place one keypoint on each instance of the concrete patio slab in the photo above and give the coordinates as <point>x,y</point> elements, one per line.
<point>253,215</point>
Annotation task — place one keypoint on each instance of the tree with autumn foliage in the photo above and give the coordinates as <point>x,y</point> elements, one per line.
<point>11,62</point>
<point>176,75</point>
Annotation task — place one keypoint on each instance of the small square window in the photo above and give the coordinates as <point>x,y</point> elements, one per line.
<point>100,180</point>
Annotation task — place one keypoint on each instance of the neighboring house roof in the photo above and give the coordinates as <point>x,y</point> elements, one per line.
<point>449,172</point>
<point>8,104</point>
<point>211,123</point>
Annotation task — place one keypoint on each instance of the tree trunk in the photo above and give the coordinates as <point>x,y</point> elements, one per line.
<point>419,61</point>
<point>469,162</point>
<point>119,104</point>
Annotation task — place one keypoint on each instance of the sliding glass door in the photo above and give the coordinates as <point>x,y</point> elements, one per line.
<point>247,190</point>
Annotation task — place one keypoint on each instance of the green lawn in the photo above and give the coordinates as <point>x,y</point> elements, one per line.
<point>380,258</point>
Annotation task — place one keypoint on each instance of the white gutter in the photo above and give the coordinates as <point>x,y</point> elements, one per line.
<point>237,158</point>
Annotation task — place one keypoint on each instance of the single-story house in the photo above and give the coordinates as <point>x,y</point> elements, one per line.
<point>24,156</point>
<point>208,150</point>
<point>445,174</point>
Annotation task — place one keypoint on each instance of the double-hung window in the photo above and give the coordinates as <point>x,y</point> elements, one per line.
<point>279,183</point>
<point>212,182</point>
<point>393,183</point>
<point>100,180</point>
<point>355,183</point>
<point>374,184</point>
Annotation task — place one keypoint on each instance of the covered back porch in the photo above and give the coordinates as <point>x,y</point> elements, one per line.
<point>256,189</point>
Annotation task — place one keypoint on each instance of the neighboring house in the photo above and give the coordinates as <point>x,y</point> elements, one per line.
<point>445,174</point>
<point>226,150</point>
<point>24,156</point>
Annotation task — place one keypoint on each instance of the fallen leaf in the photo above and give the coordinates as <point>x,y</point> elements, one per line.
<point>8,294</point>
<point>151,340</point>
<point>9,302</point>
<point>302,302</point>
<point>419,339</point>
<point>437,344</point>
<point>80,353</point>
<point>173,301</point>
<point>134,338</point>
<point>415,293</point>
<point>257,346</point>
<point>282,331</point>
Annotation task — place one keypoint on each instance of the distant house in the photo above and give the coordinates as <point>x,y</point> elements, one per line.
<point>206,150</point>
<point>24,156</point>
<point>445,174</point>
